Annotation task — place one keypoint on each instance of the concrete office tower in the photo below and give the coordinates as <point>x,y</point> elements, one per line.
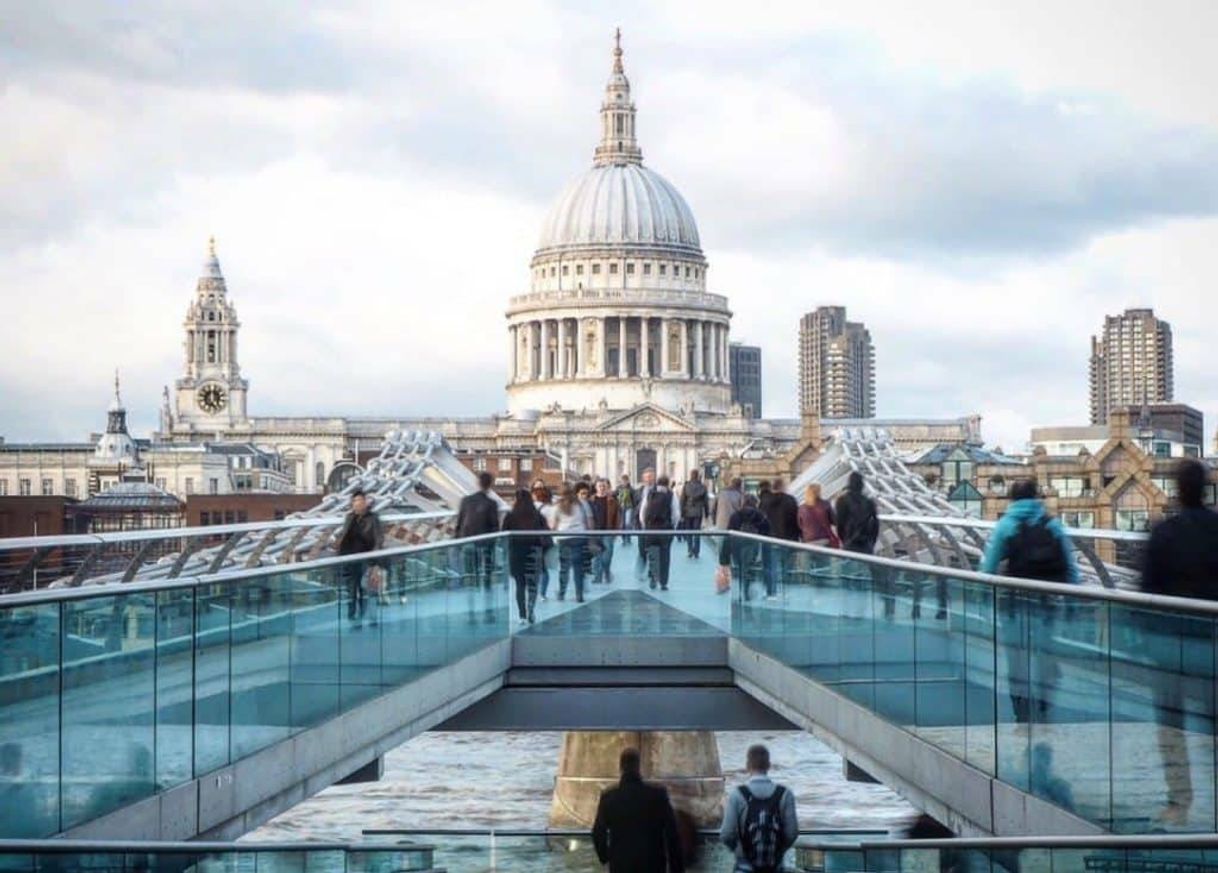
<point>836,366</point>
<point>1131,363</point>
<point>744,369</point>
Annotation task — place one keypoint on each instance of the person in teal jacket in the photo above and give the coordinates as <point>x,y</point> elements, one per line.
<point>1030,558</point>
<point>1032,546</point>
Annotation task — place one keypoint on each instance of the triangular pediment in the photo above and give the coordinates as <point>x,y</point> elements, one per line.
<point>648,418</point>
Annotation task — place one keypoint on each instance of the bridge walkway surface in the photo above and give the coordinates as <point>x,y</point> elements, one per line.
<point>202,707</point>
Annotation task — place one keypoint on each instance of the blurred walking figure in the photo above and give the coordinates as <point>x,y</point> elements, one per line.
<point>660,512</point>
<point>728,502</point>
<point>695,506</point>
<point>571,516</point>
<point>605,516</point>
<point>1028,543</point>
<point>635,829</point>
<point>478,514</point>
<point>627,503</point>
<point>1181,561</point>
<point>759,822</point>
<point>781,510</point>
<point>544,501</point>
<point>643,495</point>
<point>858,526</point>
<point>525,552</point>
<point>361,532</point>
<point>816,527</point>
<point>743,554</point>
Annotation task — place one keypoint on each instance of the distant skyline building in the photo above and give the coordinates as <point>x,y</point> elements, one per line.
<point>744,369</point>
<point>836,365</point>
<point>1131,363</point>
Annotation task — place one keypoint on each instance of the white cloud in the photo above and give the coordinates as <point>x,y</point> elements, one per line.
<point>978,187</point>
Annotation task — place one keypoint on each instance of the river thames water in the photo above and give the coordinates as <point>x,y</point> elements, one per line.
<point>505,780</point>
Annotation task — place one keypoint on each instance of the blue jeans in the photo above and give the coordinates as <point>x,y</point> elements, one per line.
<point>601,563</point>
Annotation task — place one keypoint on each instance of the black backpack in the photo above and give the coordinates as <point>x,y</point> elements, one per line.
<point>657,515</point>
<point>1035,552</point>
<point>750,522</point>
<point>761,836</point>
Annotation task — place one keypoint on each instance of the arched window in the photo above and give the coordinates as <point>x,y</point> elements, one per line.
<point>319,475</point>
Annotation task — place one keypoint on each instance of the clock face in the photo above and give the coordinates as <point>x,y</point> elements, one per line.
<point>212,398</point>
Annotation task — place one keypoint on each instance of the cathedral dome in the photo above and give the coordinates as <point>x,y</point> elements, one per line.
<point>620,203</point>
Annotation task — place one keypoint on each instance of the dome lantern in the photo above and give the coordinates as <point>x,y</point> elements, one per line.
<point>618,143</point>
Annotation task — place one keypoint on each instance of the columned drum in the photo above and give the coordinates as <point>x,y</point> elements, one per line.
<point>619,260</point>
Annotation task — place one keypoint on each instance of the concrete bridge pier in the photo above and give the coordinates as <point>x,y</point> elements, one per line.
<point>685,762</point>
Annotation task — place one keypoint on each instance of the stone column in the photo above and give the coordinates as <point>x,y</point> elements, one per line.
<point>644,346</point>
<point>699,352</point>
<point>511,360</point>
<point>684,368</point>
<point>545,350</point>
<point>528,351</point>
<point>664,347</point>
<point>562,349</point>
<point>686,762</point>
<point>621,347</point>
<point>727,355</point>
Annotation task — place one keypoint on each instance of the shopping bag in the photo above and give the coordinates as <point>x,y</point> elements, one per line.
<point>374,581</point>
<point>723,578</point>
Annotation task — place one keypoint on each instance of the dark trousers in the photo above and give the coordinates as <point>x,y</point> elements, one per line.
<point>480,563</point>
<point>526,575</point>
<point>659,557</point>
<point>693,543</point>
<point>357,600</point>
<point>747,556</point>
<point>572,564</point>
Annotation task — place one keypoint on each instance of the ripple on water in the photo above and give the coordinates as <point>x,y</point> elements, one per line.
<point>505,780</point>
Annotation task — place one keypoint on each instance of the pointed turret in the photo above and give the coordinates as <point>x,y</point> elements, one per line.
<point>618,143</point>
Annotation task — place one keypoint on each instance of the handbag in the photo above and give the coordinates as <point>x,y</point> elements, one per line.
<point>723,578</point>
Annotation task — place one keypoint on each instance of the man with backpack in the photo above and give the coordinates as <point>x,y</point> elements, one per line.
<point>740,553</point>
<point>1028,543</point>
<point>660,512</point>
<point>759,823</point>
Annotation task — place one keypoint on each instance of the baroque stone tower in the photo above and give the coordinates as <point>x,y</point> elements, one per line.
<point>211,394</point>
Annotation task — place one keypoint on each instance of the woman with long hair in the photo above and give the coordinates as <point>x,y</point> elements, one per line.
<point>543,500</point>
<point>524,552</point>
<point>816,519</point>
<point>572,515</point>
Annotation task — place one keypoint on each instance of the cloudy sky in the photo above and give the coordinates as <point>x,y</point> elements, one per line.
<point>980,182</point>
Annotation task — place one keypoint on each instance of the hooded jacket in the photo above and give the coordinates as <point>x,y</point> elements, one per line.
<point>1027,511</point>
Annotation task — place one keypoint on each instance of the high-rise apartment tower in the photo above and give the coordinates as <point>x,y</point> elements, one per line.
<point>836,365</point>
<point>1131,363</point>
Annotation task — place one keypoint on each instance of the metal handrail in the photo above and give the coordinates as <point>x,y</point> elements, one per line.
<point>216,530</point>
<point>1088,592</point>
<point>1092,533</point>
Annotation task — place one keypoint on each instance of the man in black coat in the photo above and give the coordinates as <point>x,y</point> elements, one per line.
<point>1181,561</point>
<point>635,829</point>
<point>782,512</point>
<point>479,514</point>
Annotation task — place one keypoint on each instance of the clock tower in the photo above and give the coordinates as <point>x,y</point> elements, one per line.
<point>211,393</point>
